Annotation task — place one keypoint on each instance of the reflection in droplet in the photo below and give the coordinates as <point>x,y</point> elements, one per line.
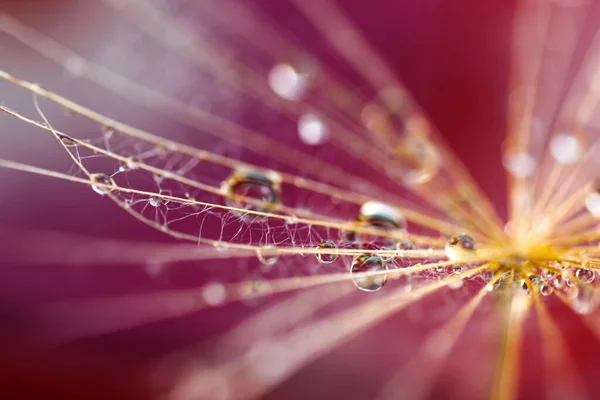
<point>326,258</point>
<point>379,216</point>
<point>460,247</point>
<point>102,179</point>
<point>368,264</point>
<point>257,186</point>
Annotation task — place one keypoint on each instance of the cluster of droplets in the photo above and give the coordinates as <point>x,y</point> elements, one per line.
<point>367,270</point>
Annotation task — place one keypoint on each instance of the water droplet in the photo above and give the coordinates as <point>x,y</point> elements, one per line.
<point>264,187</point>
<point>155,201</point>
<point>545,289</point>
<point>585,275</point>
<point>558,282</point>
<point>214,293</point>
<point>379,216</point>
<point>327,258</point>
<point>457,269</point>
<point>460,247</point>
<point>414,161</point>
<point>286,82</point>
<point>312,129</point>
<point>368,264</point>
<point>525,287</point>
<point>565,148</point>
<point>102,179</point>
<point>268,255</point>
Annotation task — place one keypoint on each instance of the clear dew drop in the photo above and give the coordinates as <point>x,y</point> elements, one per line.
<point>268,255</point>
<point>457,269</point>
<point>312,130</point>
<point>258,186</point>
<point>368,264</point>
<point>460,247</point>
<point>155,201</point>
<point>585,275</point>
<point>565,148</point>
<point>104,180</point>
<point>324,257</point>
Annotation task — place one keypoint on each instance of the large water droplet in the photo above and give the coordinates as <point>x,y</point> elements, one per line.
<point>264,187</point>
<point>460,247</point>
<point>545,289</point>
<point>368,264</point>
<point>102,179</point>
<point>379,216</point>
<point>585,275</point>
<point>327,258</point>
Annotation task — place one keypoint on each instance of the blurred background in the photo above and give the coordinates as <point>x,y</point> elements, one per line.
<point>454,58</point>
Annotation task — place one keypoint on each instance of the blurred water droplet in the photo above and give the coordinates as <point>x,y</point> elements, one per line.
<point>286,82</point>
<point>312,129</point>
<point>565,148</point>
<point>214,293</point>
<point>460,247</point>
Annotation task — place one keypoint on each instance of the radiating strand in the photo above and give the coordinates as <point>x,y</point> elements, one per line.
<point>415,379</point>
<point>558,362</point>
<point>129,311</point>
<point>506,380</point>
<point>318,187</point>
<point>298,348</point>
<point>203,54</point>
<point>171,108</point>
<point>329,20</point>
<point>280,250</point>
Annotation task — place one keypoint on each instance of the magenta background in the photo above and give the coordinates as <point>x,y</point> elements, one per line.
<point>453,57</point>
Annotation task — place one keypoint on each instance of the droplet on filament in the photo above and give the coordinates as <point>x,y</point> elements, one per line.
<point>368,264</point>
<point>102,179</point>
